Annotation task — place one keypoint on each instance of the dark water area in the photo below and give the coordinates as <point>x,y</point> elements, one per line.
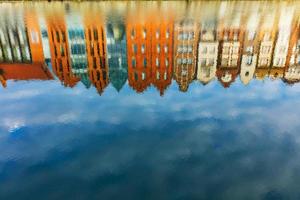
<point>150,100</point>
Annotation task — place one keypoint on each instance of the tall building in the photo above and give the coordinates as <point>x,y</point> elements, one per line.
<point>162,54</point>
<point>207,51</point>
<point>138,37</point>
<point>250,48</point>
<point>149,52</point>
<point>117,53</point>
<point>292,72</point>
<point>59,48</point>
<point>231,36</point>
<point>77,48</point>
<point>186,36</point>
<point>267,36</point>
<point>283,37</point>
<point>96,51</point>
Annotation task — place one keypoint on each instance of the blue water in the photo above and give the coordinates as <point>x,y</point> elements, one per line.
<point>209,143</point>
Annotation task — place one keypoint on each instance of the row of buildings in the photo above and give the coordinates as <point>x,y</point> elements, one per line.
<point>149,50</point>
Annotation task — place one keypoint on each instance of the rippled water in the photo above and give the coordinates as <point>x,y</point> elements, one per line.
<point>150,100</point>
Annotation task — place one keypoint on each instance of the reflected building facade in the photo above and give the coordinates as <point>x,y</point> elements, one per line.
<point>96,51</point>
<point>21,51</point>
<point>117,54</point>
<point>151,48</point>
<point>186,36</point>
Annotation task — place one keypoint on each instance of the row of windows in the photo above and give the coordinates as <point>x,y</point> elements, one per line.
<point>207,62</point>
<point>157,62</point>
<point>205,50</point>
<point>232,50</point>
<point>144,34</point>
<point>143,48</point>
<point>184,61</point>
<point>186,35</point>
<point>159,76</point>
<point>265,49</point>
<point>229,62</point>
<point>185,48</point>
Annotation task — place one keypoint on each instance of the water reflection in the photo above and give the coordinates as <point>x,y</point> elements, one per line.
<point>150,43</point>
<point>67,142</point>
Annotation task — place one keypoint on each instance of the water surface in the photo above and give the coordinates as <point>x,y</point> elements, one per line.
<point>150,100</point>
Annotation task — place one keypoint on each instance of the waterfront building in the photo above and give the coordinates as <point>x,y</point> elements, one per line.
<point>283,37</point>
<point>250,49</point>
<point>231,37</point>
<point>292,73</point>
<point>59,48</point>
<point>77,48</point>
<point>149,52</point>
<point>267,36</point>
<point>117,54</point>
<point>207,51</point>
<point>186,36</point>
<point>21,49</point>
<point>96,51</point>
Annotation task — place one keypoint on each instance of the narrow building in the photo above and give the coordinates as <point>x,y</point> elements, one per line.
<point>186,38</point>
<point>96,51</point>
<point>117,53</point>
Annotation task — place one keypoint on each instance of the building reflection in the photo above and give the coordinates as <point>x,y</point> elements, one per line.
<point>151,46</point>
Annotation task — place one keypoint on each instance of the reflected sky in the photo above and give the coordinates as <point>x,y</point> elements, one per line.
<point>208,142</point>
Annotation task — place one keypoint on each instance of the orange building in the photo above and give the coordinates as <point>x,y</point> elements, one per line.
<point>186,36</point>
<point>162,54</point>
<point>149,53</point>
<point>58,43</point>
<point>96,51</point>
<point>35,68</point>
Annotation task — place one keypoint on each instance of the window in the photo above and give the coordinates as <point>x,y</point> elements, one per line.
<point>157,75</point>
<point>166,49</point>
<point>249,60</point>
<point>133,62</point>
<point>135,76</point>
<point>249,49</point>
<point>145,62</point>
<point>179,49</point>
<point>132,33</point>
<point>144,33</point>
<point>179,61</point>
<point>185,49</point>
<point>167,34</point>
<point>143,48</point>
<point>166,62</point>
<point>157,34</point>
<point>191,36</point>
<point>134,47</point>
<point>189,61</point>
<point>143,76</point>
<point>157,62</point>
<point>158,48</point>
<point>204,50</point>
<point>34,36</point>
